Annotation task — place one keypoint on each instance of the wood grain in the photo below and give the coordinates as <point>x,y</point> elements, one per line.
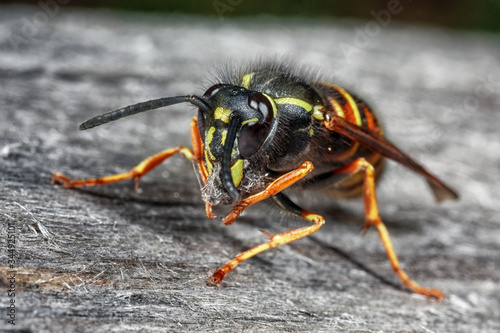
<point>110,260</point>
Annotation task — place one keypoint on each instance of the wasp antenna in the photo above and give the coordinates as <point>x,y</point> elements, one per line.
<point>199,102</point>
<point>142,107</point>
<point>227,179</point>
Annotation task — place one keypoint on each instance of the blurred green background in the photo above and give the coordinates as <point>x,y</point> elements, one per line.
<point>457,14</point>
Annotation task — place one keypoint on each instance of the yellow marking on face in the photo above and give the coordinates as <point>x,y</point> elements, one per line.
<point>249,121</point>
<point>210,137</point>
<point>222,114</point>
<point>295,101</point>
<point>223,138</point>
<point>351,102</point>
<point>237,172</point>
<point>245,81</point>
<point>318,112</point>
<point>311,132</point>
<point>208,163</point>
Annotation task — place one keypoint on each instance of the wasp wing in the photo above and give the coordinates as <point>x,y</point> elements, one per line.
<point>384,147</point>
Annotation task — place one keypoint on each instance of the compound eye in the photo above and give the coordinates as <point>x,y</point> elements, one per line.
<point>212,90</point>
<point>254,133</point>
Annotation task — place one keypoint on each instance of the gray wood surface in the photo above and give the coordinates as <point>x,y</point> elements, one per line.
<point>111,260</point>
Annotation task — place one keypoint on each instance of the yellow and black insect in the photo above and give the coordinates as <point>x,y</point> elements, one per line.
<point>270,128</point>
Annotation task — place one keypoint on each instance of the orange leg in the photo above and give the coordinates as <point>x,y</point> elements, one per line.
<point>196,155</point>
<point>198,148</point>
<point>373,219</point>
<point>274,188</point>
<point>136,173</point>
<point>144,167</point>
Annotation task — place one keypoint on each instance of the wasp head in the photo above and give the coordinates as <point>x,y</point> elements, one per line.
<point>235,131</point>
<point>235,124</point>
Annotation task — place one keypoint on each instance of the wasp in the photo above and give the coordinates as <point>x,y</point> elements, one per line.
<point>269,128</point>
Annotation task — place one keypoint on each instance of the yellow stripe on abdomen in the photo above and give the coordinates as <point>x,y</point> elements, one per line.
<point>350,109</point>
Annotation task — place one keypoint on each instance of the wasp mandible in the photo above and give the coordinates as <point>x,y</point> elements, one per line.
<point>269,128</point>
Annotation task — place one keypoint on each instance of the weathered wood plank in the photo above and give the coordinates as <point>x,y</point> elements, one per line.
<point>108,259</point>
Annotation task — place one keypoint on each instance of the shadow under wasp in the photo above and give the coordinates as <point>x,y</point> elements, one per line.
<point>269,128</point>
